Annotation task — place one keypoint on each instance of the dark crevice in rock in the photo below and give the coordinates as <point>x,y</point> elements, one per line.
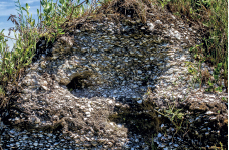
<point>80,82</point>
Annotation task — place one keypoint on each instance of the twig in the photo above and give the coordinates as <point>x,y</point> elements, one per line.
<point>8,36</point>
<point>185,133</point>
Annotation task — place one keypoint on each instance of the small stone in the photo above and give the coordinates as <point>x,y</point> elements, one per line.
<point>119,125</point>
<point>56,143</point>
<point>158,22</point>
<point>35,144</point>
<point>139,102</point>
<point>135,86</point>
<point>94,143</point>
<point>40,135</point>
<point>176,145</point>
<point>151,26</point>
<point>159,135</point>
<point>142,28</point>
<point>139,72</point>
<point>209,113</point>
<point>189,29</point>
<point>43,64</point>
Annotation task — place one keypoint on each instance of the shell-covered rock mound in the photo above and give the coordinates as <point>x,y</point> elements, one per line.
<point>90,89</point>
<point>128,16</point>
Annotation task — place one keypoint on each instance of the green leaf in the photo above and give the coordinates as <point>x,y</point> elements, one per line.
<point>219,89</point>
<point>27,6</point>
<point>2,30</point>
<point>195,55</point>
<point>190,49</point>
<point>216,77</point>
<point>190,70</point>
<point>180,115</point>
<point>220,65</point>
<point>211,84</point>
<point>37,12</point>
<point>205,25</point>
<point>12,65</point>
<point>33,23</point>
<point>59,30</point>
<point>46,6</point>
<point>24,8</point>
<point>61,1</point>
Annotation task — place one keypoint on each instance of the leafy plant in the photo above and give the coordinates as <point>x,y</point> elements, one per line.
<point>221,145</point>
<point>20,14</point>
<point>50,20</point>
<point>174,115</point>
<point>216,75</point>
<point>55,15</point>
<point>217,71</point>
<point>224,99</point>
<point>164,2</point>
<point>195,49</point>
<point>12,63</point>
<point>194,70</point>
<point>3,64</point>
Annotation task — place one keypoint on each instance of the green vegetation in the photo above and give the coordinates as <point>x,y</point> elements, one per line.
<point>200,77</point>
<point>175,116</point>
<point>194,70</point>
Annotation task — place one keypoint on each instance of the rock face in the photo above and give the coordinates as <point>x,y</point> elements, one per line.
<point>103,67</point>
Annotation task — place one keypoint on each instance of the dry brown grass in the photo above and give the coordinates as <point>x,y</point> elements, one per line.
<point>133,8</point>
